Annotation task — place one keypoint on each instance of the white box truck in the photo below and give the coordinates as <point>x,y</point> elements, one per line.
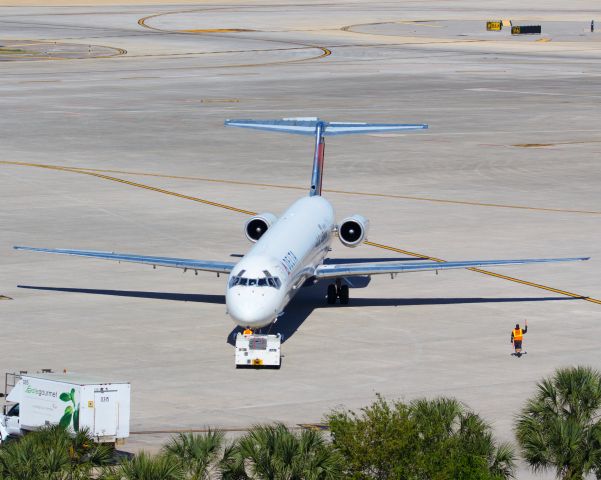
<point>71,400</point>
<point>258,350</point>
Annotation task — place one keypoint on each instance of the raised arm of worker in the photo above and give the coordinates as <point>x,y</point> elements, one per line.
<point>525,326</point>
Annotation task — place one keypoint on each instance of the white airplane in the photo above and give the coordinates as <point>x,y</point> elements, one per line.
<point>290,251</point>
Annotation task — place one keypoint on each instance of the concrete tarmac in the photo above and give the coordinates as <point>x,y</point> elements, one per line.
<point>508,169</point>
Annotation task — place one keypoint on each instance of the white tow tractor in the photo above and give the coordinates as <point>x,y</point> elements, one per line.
<point>71,400</point>
<point>258,350</point>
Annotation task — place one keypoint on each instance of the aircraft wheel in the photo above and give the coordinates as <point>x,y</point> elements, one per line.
<point>331,294</point>
<point>344,294</point>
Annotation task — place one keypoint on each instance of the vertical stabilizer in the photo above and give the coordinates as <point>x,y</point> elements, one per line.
<point>318,157</point>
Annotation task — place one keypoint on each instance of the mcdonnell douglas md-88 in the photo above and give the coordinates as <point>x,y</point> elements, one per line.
<point>290,251</point>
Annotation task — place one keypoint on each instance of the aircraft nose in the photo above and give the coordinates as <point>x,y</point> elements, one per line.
<point>251,307</point>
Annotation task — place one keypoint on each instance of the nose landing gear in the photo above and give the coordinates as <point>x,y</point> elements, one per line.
<point>338,290</point>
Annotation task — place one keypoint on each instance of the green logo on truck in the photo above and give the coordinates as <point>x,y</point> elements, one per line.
<point>71,414</point>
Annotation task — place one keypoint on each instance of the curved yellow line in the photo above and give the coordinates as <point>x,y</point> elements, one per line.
<point>325,52</point>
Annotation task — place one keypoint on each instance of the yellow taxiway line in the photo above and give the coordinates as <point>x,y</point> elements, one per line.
<point>325,52</point>
<point>133,184</point>
<point>487,272</point>
<point>249,212</point>
<point>292,187</point>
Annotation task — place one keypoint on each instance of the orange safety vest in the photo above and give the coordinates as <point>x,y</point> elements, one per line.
<point>517,334</point>
<point>248,331</point>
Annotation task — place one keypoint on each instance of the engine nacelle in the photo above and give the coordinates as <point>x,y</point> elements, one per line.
<point>352,231</point>
<point>255,227</point>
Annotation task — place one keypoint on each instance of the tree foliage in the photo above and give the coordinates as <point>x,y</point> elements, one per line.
<point>273,452</point>
<point>266,452</point>
<point>52,453</point>
<point>145,467</point>
<point>559,428</point>
<point>197,453</point>
<point>425,439</point>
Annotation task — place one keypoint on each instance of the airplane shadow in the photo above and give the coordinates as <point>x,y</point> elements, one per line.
<point>181,297</point>
<point>314,297</point>
<point>338,261</point>
<point>303,304</point>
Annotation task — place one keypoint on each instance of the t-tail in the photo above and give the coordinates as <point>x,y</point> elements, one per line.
<point>320,129</point>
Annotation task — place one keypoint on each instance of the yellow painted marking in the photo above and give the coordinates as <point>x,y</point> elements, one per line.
<point>249,212</point>
<point>465,202</point>
<point>27,44</point>
<point>216,30</point>
<point>543,40</point>
<point>533,145</point>
<point>487,272</point>
<point>220,100</point>
<point>542,145</point>
<point>341,192</point>
<point>135,184</point>
<point>537,285</point>
<point>325,52</point>
<point>417,22</point>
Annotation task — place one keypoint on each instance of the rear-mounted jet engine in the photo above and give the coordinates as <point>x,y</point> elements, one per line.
<point>255,227</point>
<point>353,230</point>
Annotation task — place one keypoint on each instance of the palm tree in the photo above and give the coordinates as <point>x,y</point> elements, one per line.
<point>198,454</point>
<point>145,467</point>
<point>273,452</point>
<point>559,427</point>
<point>232,465</point>
<point>458,442</point>
<point>52,453</point>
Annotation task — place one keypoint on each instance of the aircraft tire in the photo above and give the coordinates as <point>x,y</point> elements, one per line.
<point>344,294</point>
<point>331,294</point>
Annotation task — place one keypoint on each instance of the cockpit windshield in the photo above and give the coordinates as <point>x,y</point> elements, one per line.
<point>267,281</point>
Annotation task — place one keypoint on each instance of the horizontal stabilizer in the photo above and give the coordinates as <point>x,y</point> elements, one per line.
<point>308,126</point>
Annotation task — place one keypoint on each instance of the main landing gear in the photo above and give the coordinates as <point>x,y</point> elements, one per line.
<point>338,290</point>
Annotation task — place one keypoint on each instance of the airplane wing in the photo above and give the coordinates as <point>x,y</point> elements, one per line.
<point>185,263</point>
<point>355,269</point>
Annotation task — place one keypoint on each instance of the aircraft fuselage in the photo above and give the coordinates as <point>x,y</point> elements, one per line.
<point>269,275</point>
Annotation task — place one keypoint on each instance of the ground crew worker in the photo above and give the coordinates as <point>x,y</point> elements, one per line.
<point>517,335</point>
<point>248,331</point>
